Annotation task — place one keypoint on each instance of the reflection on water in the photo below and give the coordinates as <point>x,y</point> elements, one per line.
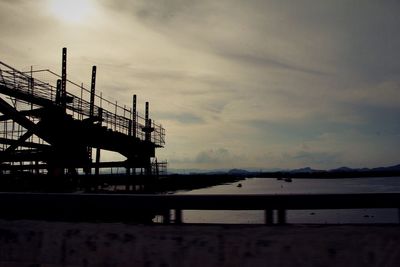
<point>301,186</point>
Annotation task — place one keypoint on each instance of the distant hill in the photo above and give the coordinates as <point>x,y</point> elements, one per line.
<point>343,169</point>
<point>238,171</point>
<point>378,169</point>
<point>306,170</point>
<point>222,170</point>
<point>301,172</point>
<point>390,168</point>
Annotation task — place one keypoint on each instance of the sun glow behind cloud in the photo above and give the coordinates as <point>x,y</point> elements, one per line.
<point>71,11</point>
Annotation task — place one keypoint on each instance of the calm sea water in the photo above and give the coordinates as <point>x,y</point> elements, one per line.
<point>302,186</point>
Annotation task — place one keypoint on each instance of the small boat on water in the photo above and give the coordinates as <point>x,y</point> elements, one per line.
<point>239,185</point>
<point>288,179</point>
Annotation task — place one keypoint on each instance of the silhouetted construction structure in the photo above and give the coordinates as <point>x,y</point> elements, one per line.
<point>49,126</point>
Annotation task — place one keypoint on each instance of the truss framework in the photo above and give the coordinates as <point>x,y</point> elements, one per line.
<point>45,128</point>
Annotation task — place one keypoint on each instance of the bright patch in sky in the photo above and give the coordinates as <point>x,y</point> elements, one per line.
<point>71,11</point>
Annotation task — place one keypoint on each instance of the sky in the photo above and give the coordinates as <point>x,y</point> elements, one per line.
<point>236,84</point>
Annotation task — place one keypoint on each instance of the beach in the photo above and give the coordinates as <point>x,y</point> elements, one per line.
<point>43,243</point>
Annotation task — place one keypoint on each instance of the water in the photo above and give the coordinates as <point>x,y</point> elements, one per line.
<point>301,186</point>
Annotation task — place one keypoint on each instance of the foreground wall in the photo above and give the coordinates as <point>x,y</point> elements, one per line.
<point>35,243</point>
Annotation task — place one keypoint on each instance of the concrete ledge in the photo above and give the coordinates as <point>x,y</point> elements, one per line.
<point>38,243</point>
<point>142,208</point>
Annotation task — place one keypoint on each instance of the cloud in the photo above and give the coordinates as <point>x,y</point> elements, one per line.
<point>209,158</point>
<point>184,118</point>
<point>213,156</point>
<point>359,38</point>
<point>319,159</point>
<point>243,78</point>
<point>263,62</point>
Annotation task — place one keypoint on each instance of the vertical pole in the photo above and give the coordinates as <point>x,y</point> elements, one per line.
<point>134,123</point>
<point>128,178</point>
<point>97,168</point>
<point>115,116</point>
<point>91,112</point>
<point>63,89</point>
<point>147,138</point>
<point>123,124</point>
<point>130,127</point>
<point>281,216</point>
<point>178,216</point>
<point>91,115</point>
<point>269,217</point>
<point>167,217</point>
<point>147,113</point>
<point>36,167</point>
<point>147,132</point>
<point>128,168</point>
<point>134,126</point>
<point>81,101</point>
<point>58,92</point>
<point>31,84</point>
<point>64,78</point>
<point>92,91</point>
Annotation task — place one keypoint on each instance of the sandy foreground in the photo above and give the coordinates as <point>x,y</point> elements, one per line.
<point>39,243</point>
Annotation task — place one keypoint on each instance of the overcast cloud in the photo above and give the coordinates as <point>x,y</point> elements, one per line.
<point>263,84</point>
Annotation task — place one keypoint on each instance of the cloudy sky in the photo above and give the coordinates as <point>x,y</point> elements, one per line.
<point>261,84</point>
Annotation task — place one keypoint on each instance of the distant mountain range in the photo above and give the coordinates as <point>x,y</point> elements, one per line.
<point>378,169</point>
<point>347,169</point>
<point>302,171</point>
<point>222,171</point>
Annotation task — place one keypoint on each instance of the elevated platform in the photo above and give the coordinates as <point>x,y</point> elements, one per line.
<point>45,129</point>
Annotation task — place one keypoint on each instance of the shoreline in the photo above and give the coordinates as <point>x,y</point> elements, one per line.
<point>166,184</point>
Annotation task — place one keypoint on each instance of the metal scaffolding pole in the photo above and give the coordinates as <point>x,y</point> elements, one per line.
<point>64,79</point>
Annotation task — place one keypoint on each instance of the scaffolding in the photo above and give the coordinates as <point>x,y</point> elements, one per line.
<point>48,127</point>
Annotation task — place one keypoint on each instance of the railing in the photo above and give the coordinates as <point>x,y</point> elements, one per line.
<point>159,167</point>
<point>121,207</point>
<point>114,116</point>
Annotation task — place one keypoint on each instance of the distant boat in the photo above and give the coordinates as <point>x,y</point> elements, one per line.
<point>288,179</point>
<point>279,178</point>
<point>239,185</point>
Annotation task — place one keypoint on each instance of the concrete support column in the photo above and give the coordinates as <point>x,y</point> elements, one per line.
<point>269,217</point>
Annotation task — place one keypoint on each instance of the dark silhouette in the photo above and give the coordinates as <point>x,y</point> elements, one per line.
<point>48,135</point>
